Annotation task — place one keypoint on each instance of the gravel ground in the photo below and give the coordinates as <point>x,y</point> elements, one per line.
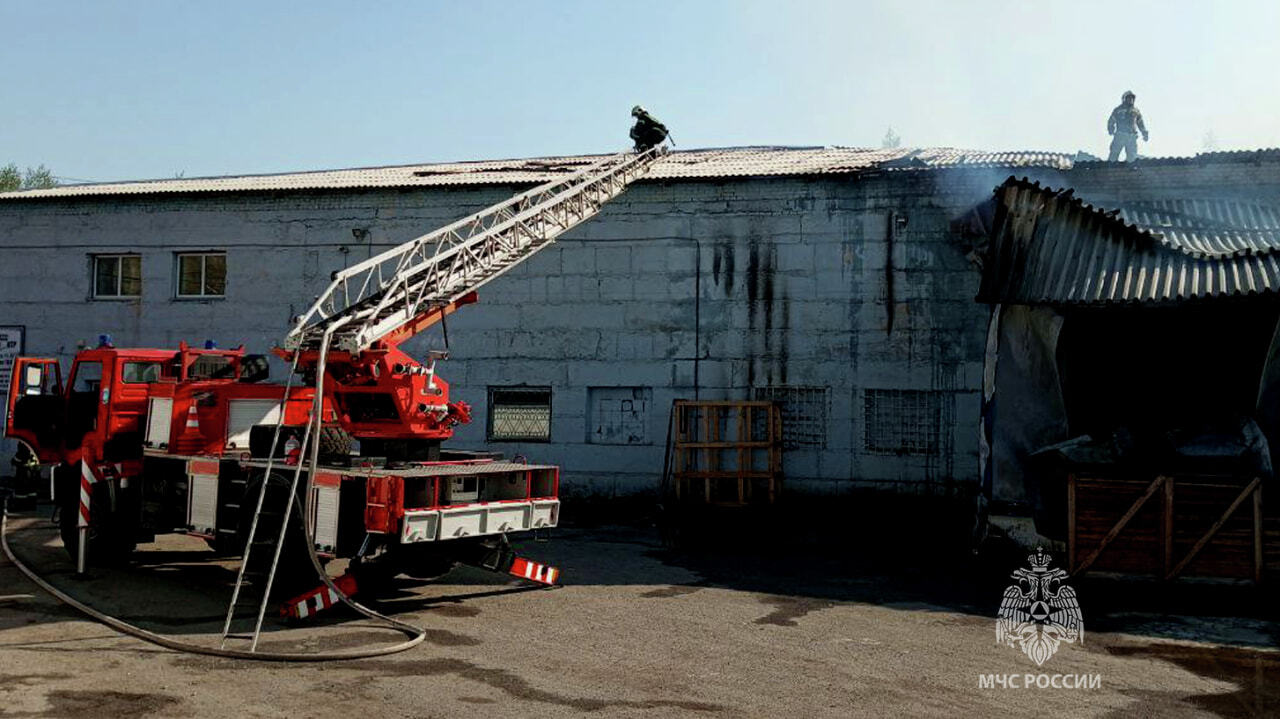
<point>636,631</point>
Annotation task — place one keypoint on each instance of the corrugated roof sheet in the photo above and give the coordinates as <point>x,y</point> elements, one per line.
<point>1049,247</point>
<point>688,164</point>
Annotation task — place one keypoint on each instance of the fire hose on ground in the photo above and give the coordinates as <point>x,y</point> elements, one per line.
<point>416,635</point>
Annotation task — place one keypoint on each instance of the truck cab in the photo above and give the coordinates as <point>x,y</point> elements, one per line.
<point>99,414</point>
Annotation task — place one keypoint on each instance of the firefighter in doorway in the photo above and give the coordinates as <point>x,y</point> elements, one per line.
<point>1124,125</point>
<point>26,478</point>
<point>647,132</point>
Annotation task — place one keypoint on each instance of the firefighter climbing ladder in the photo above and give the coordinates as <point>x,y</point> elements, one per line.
<point>385,292</point>
<point>377,297</point>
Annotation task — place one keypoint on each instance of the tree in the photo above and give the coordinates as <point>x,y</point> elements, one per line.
<point>38,178</point>
<point>890,140</point>
<point>10,178</point>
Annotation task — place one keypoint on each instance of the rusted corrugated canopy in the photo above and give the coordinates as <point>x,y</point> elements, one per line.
<point>1049,247</point>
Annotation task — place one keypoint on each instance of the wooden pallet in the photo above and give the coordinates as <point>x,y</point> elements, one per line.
<point>726,452</point>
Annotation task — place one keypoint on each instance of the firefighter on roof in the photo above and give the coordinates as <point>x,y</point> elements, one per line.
<point>647,132</point>
<point>1124,125</point>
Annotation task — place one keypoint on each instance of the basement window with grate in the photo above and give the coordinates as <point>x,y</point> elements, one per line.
<point>804,414</point>
<point>117,277</point>
<point>519,414</point>
<point>902,421</point>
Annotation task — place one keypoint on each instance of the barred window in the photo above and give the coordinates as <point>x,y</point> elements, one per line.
<point>519,414</point>
<point>804,414</point>
<point>202,274</point>
<point>900,421</point>
<point>117,276</point>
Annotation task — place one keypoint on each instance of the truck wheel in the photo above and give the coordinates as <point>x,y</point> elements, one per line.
<point>335,443</point>
<point>111,538</point>
<point>421,562</point>
<point>294,572</point>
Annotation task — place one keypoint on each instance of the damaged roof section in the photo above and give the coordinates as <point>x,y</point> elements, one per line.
<point>733,162</point>
<point>1049,247</point>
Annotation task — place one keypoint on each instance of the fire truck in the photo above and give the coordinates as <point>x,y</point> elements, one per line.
<point>197,440</point>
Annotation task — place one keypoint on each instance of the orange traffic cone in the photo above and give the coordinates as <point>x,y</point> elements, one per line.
<point>191,434</point>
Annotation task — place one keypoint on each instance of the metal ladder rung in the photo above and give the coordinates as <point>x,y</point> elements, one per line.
<point>246,576</point>
<point>517,228</point>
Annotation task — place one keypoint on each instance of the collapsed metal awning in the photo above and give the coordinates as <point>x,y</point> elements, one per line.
<point>1049,247</point>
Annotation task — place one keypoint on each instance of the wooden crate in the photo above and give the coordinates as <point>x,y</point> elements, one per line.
<point>1171,526</point>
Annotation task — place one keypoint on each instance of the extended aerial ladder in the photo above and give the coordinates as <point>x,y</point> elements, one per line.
<point>394,295</point>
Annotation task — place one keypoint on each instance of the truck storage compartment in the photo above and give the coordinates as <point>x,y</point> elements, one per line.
<point>420,526</point>
<point>159,419</point>
<point>459,523</point>
<point>507,517</point>
<point>545,513</point>
<point>545,482</point>
<point>505,486</point>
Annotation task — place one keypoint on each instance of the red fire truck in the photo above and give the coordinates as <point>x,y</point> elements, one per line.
<point>195,440</point>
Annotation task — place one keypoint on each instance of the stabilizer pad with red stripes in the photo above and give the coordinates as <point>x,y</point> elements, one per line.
<point>534,572</point>
<point>319,599</point>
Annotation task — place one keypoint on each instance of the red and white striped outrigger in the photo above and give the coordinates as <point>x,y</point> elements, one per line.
<point>314,601</point>
<point>317,600</point>
<point>88,477</point>
<point>534,572</point>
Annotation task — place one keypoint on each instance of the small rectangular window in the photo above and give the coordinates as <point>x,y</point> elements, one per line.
<point>519,414</point>
<point>202,274</point>
<point>140,372</point>
<point>117,276</point>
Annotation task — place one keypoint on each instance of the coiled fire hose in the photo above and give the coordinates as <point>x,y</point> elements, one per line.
<point>416,635</point>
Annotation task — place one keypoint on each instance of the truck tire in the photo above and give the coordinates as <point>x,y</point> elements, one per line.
<point>421,561</point>
<point>335,444</point>
<point>111,537</point>
<point>294,572</point>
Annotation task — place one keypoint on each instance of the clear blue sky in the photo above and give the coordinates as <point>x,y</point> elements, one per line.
<point>138,89</point>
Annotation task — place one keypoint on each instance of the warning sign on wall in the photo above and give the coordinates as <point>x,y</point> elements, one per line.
<point>11,346</point>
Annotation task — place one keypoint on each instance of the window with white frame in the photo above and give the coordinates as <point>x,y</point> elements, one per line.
<point>201,274</point>
<point>117,276</point>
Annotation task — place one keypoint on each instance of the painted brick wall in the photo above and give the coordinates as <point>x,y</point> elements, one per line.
<point>690,289</point>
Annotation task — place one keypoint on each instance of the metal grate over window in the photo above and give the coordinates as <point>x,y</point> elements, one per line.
<point>519,414</point>
<point>804,414</point>
<point>902,421</point>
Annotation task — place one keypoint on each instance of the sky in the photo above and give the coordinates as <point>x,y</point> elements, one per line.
<point>106,91</point>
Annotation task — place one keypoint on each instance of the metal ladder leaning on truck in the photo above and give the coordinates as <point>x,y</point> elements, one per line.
<point>149,441</point>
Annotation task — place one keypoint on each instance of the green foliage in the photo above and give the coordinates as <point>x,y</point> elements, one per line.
<point>891,140</point>
<point>38,178</point>
<point>10,178</point>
